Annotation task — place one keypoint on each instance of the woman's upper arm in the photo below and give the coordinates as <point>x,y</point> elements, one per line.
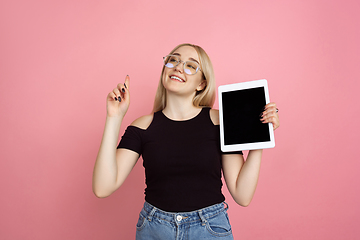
<point>125,158</point>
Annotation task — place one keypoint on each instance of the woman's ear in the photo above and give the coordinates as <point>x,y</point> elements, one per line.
<point>201,86</point>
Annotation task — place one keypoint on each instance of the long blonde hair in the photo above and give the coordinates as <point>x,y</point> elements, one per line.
<point>203,98</point>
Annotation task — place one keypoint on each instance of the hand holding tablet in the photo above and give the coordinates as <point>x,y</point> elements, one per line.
<point>240,109</point>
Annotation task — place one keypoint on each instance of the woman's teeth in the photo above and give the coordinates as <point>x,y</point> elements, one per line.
<point>176,78</point>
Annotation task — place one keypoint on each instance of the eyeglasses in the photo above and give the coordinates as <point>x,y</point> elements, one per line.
<point>190,67</point>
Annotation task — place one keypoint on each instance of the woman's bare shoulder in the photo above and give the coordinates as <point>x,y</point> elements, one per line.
<point>143,122</point>
<point>214,115</point>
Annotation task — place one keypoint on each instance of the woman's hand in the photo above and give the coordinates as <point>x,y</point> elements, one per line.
<point>118,101</point>
<point>270,115</point>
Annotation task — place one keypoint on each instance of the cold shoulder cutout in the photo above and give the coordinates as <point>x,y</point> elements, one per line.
<point>214,115</point>
<point>143,122</point>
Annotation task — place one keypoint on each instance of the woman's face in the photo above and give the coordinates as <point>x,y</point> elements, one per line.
<point>175,80</point>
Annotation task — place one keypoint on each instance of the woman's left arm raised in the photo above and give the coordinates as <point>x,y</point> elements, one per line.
<point>241,176</point>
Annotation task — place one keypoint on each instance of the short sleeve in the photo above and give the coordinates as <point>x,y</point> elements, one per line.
<point>132,139</point>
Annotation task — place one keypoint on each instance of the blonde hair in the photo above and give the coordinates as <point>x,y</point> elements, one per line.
<point>203,98</point>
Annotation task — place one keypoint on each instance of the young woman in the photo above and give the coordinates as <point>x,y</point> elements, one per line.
<point>180,146</point>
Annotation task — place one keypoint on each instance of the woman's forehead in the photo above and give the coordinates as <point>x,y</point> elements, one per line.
<point>187,52</point>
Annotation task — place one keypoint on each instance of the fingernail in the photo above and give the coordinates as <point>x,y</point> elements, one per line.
<point>119,99</point>
<point>115,98</point>
<point>123,90</point>
<point>125,85</point>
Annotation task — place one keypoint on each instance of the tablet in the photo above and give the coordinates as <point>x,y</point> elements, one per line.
<point>240,106</point>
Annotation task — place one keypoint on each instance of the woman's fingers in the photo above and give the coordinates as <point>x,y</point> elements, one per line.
<point>270,115</point>
<point>122,89</point>
<point>268,109</point>
<point>270,105</point>
<point>118,100</point>
<point>117,94</point>
<point>112,96</point>
<point>127,82</point>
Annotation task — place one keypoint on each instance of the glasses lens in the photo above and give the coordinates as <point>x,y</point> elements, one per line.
<point>191,67</point>
<point>171,61</point>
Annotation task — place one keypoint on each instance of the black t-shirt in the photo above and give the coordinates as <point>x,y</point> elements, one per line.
<point>182,161</point>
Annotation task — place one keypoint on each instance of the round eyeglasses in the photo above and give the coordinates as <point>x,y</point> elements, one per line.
<point>190,67</point>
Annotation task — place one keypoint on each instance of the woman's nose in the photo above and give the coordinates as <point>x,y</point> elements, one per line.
<point>180,67</point>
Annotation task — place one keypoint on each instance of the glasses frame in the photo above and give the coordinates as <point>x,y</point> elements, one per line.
<point>180,61</point>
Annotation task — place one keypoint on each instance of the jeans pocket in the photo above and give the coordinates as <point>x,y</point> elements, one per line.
<point>141,222</point>
<point>219,225</point>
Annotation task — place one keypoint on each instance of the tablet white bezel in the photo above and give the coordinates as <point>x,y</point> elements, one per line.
<point>245,146</point>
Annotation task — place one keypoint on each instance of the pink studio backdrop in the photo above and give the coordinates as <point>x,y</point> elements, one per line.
<point>59,60</point>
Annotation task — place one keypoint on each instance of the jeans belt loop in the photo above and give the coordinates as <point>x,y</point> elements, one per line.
<point>151,214</point>
<point>203,220</point>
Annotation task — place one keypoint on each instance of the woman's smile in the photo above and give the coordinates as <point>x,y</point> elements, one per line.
<point>177,78</point>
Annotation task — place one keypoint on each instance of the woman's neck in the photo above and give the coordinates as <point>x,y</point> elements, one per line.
<point>180,108</point>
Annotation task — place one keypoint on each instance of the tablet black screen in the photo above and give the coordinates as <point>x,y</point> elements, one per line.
<point>241,110</point>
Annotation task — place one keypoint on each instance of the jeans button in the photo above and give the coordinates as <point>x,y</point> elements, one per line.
<point>179,218</point>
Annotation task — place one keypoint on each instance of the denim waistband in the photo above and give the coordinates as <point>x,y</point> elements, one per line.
<point>184,217</point>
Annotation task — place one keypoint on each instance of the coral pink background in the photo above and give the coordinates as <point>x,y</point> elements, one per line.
<point>59,60</point>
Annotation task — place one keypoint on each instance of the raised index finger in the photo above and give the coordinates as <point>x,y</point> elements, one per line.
<point>127,81</point>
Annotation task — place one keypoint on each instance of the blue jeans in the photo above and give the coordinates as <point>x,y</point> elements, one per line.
<point>207,223</point>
